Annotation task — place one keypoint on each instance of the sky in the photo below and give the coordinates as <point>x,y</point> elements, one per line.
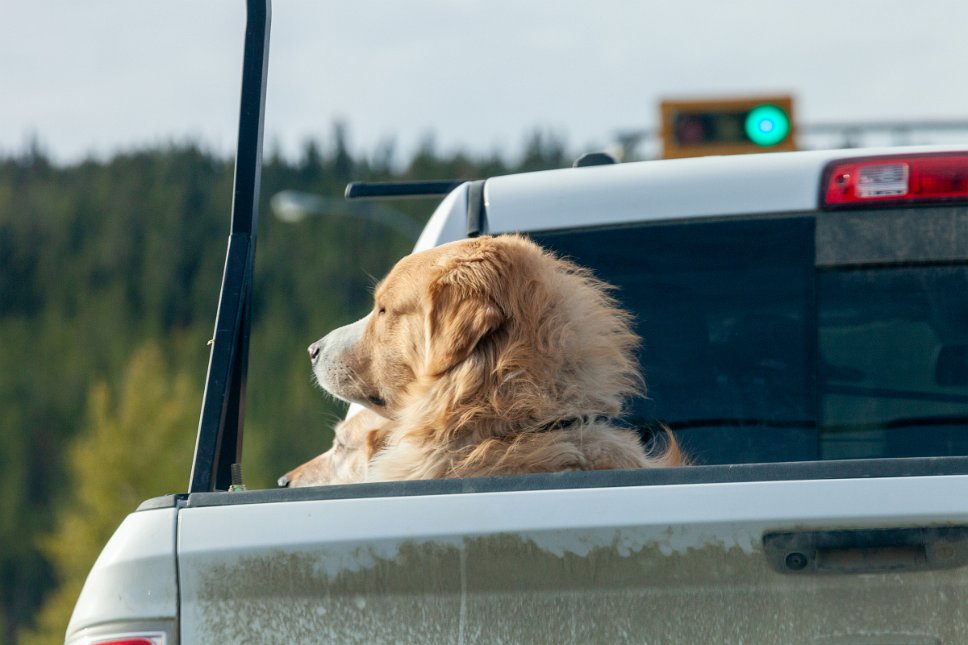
<point>91,78</point>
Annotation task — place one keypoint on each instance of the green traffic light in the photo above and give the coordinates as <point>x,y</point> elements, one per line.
<point>767,125</point>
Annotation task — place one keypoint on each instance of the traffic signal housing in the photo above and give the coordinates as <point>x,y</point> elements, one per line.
<point>727,126</point>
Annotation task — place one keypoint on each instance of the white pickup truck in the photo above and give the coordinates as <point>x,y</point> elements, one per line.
<point>805,318</point>
<point>805,325</point>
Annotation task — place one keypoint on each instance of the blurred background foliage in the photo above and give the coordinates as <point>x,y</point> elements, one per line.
<point>109,278</point>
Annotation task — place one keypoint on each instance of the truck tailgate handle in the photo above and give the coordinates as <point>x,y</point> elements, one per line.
<point>881,550</point>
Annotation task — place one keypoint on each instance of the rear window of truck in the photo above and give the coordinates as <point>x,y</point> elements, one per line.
<point>795,337</point>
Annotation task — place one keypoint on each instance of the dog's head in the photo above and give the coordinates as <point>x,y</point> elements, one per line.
<point>356,440</point>
<point>485,322</point>
<point>429,314</point>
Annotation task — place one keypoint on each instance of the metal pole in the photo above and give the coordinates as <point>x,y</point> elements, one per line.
<point>219,442</point>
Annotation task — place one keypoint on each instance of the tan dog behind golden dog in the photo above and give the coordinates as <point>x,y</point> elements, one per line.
<point>356,440</point>
<point>490,356</point>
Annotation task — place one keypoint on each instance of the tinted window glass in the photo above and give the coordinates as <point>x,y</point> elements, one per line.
<point>725,310</point>
<point>752,355</point>
<point>894,362</point>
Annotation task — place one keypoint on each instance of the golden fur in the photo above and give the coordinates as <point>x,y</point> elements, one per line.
<point>356,440</point>
<point>490,356</point>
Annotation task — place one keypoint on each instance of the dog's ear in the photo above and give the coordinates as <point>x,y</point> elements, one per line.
<point>463,310</point>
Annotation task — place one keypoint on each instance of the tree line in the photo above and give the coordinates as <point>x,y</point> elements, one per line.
<point>109,278</point>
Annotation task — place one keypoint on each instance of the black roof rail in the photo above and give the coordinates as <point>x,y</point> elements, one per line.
<point>401,189</point>
<point>594,159</point>
<point>218,446</point>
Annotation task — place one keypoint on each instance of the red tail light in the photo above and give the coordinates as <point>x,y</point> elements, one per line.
<point>896,180</point>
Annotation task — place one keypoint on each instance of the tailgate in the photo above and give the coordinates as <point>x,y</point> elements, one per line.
<point>672,563</point>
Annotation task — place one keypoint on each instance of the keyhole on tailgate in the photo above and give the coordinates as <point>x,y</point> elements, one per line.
<point>796,561</point>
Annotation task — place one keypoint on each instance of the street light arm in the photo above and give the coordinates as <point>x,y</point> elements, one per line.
<point>294,206</point>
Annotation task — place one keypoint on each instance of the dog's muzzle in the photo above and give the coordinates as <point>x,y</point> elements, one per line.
<point>327,356</point>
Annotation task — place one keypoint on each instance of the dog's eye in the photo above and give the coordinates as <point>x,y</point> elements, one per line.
<point>382,310</point>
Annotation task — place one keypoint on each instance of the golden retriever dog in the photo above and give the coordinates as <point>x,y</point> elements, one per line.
<point>488,356</point>
<point>356,440</point>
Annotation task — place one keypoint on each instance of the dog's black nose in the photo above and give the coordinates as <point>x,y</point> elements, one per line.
<point>313,352</point>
